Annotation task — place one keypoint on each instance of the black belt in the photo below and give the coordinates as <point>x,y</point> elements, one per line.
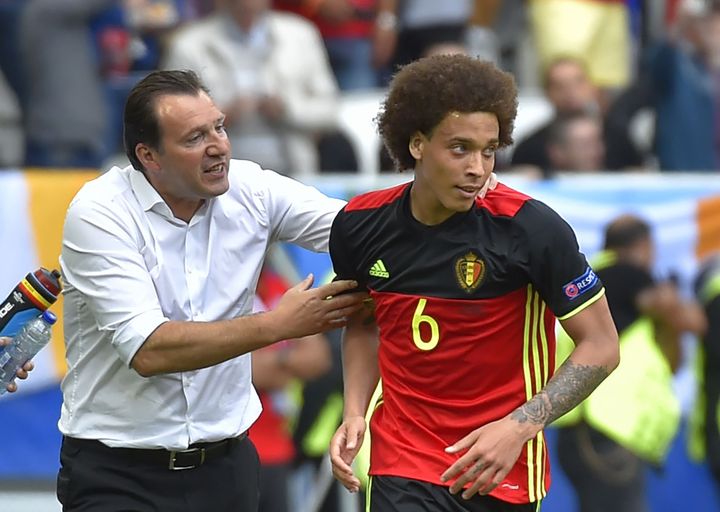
<point>196,455</point>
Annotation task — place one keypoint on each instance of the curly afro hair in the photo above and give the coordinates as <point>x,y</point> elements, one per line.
<point>424,92</point>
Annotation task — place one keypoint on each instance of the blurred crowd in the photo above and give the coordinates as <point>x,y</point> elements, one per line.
<point>633,84</point>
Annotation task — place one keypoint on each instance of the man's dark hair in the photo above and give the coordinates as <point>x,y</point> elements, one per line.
<point>424,92</point>
<point>140,124</point>
<point>625,231</point>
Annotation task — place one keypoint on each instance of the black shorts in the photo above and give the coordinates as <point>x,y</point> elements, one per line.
<point>395,494</point>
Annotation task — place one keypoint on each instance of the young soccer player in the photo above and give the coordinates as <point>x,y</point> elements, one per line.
<point>466,292</point>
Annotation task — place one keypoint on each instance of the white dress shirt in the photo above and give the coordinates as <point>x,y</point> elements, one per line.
<point>129,265</point>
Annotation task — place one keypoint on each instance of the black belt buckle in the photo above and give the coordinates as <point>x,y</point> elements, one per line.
<point>173,458</point>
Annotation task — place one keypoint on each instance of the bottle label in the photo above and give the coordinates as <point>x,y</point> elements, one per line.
<point>16,321</point>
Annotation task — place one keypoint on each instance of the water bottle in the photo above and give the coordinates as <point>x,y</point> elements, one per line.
<point>34,335</point>
<point>33,295</point>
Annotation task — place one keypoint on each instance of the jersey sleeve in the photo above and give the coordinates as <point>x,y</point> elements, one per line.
<point>556,267</point>
<point>341,253</point>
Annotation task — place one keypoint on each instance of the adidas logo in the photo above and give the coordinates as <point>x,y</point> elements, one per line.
<point>379,270</point>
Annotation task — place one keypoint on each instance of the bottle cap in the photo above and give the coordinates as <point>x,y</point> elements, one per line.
<point>49,317</point>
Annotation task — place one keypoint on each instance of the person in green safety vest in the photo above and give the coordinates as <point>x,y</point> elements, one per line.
<point>631,419</point>
<point>705,423</point>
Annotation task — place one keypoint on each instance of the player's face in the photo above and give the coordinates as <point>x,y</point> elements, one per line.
<point>191,163</point>
<point>452,165</point>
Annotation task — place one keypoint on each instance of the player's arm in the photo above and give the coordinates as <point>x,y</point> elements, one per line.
<point>360,366</point>
<point>360,376</point>
<point>572,290</point>
<point>492,450</point>
<point>596,354</point>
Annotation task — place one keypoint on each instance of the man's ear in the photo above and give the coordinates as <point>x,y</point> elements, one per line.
<point>147,157</point>
<point>417,145</point>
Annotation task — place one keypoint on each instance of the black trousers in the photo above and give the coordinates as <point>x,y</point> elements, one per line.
<point>274,487</point>
<point>605,476</point>
<point>95,478</point>
<point>395,494</point>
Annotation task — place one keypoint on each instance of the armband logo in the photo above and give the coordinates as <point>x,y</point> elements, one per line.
<point>580,285</point>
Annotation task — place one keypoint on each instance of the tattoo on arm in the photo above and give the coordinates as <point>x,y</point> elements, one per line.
<point>570,385</point>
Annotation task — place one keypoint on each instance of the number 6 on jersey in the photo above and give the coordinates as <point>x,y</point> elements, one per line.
<point>417,321</point>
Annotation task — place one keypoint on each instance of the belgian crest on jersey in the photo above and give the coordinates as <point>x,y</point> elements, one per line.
<point>470,271</point>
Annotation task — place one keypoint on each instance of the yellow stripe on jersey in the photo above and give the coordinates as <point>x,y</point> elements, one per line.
<point>536,376</point>
<point>540,457</point>
<point>534,343</point>
<point>542,378</point>
<point>528,385</point>
<point>544,345</point>
<point>584,305</point>
<point>526,345</point>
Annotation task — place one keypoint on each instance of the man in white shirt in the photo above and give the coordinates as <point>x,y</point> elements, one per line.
<point>270,74</point>
<point>160,261</point>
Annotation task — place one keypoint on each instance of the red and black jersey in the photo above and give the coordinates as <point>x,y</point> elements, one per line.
<point>466,312</point>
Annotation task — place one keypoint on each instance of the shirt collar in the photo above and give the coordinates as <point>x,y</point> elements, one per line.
<point>146,195</point>
<point>149,199</point>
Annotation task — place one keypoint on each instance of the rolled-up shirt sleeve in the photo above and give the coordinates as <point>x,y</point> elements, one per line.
<point>103,262</point>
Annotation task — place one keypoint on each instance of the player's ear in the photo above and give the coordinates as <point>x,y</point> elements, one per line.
<point>417,145</point>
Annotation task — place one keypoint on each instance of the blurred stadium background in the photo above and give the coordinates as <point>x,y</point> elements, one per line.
<point>683,208</point>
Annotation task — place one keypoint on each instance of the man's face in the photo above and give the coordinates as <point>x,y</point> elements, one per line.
<point>583,148</point>
<point>569,89</point>
<point>453,164</point>
<point>191,163</point>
